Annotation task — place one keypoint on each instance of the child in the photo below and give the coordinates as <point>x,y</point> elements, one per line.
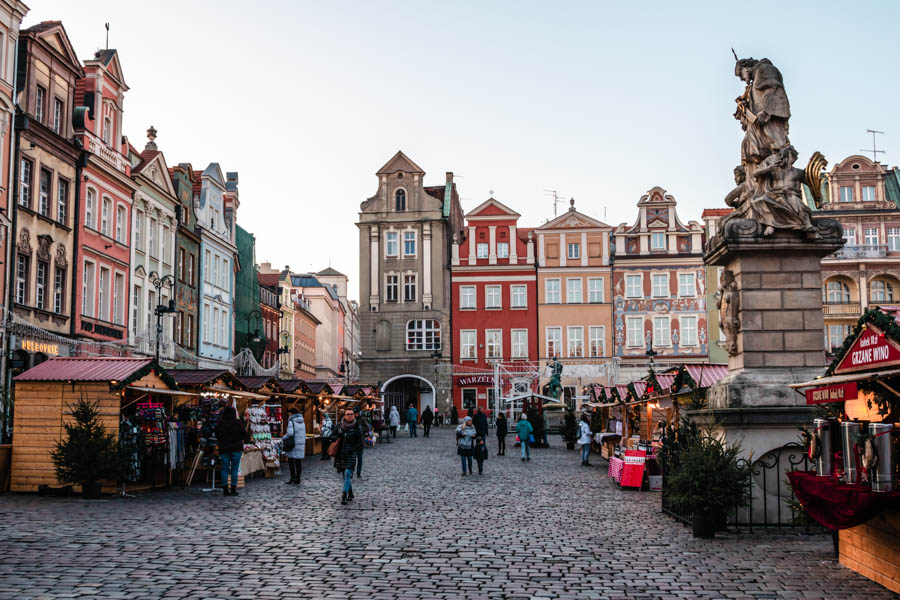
<point>480,454</point>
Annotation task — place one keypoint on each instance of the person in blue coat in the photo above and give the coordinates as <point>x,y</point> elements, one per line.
<point>296,429</point>
<point>524,431</point>
<point>412,417</point>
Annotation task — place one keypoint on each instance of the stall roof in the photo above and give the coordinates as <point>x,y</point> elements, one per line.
<point>254,383</point>
<point>317,387</point>
<point>85,369</point>
<point>706,375</point>
<point>665,380</point>
<point>202,377</point>
<point>290,385</point>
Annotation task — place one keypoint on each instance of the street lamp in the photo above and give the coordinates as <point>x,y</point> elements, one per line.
<point>166,281</point>
<point>254,339</point>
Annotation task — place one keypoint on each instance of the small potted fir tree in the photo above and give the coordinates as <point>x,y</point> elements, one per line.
<point>709,482</point>
<point>88,454</point>
<point>570,430</point>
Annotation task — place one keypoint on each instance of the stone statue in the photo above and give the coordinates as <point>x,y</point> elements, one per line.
<point>554,388</point>
<point>768,191</point>
<point>729,303</point>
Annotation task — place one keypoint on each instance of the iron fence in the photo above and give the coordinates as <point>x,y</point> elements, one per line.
<point>771,498</point>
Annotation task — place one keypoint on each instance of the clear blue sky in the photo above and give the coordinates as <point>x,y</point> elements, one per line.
<point>600,101</point>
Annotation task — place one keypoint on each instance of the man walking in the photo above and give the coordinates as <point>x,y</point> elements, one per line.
<point>427,420</point>
<point>481,423</point>
<point>412,417</point>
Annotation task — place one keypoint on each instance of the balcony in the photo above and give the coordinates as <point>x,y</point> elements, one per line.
<point>841,309</point>
<point>864,251</point>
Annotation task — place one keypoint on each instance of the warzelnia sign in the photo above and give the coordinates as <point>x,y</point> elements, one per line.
<point>871,350</point>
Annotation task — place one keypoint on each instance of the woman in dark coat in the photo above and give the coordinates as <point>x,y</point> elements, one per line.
<point>350,440</point>
<point>502,430</point>
<point>230,433</point>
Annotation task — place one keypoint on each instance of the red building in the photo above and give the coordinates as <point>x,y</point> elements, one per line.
<point>493,285</point>
<point>270,312</point>
<point>103,234</point>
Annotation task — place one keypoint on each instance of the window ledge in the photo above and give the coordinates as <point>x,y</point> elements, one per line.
<point>469,308</point>
<point>518,308</point>
<point>493,308</point>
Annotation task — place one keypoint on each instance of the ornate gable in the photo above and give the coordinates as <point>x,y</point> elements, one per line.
<point>156,171</point>
<point>572,219</point>
<point>56,38</point>
<point>492,208</point>
<point>400,162</point>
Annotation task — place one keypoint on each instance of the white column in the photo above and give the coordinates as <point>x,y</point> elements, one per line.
<point>472,243</point>
<point>513,243</point>
<point>605,248</point>
<point>584,249</point>
<point>645,243</point>
<point>374,258</point>
<point>620,245</point>
<point>530,250</point>
<point>643,218</point>
<point>426,260</point>
<point>454,252</point>
<point>541,260</point>
<point>863,291</point>
<point>492,244</point>
<point>671,218</point>
<point>562,250</point>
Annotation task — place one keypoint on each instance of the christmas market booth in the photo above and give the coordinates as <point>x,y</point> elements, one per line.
<point>136,400</point>
<point>334,398</point>
<point>855,444</point>
<point>213,390</point>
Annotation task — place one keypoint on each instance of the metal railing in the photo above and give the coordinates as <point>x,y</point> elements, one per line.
<point>862,251</point>
<point>772,502</point>
<point>847,309</point>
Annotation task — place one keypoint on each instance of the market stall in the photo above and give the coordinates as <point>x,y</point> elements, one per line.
<point>294,393</point>
<point>137,400</point>
<point>855,443</point>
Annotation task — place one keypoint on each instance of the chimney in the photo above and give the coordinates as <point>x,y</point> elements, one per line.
<point>450,177</point>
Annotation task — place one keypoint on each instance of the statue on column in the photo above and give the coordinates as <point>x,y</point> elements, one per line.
<point>554,388</point>
<point>768,194</point>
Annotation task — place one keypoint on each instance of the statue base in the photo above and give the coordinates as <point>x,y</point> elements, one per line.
<point>780,339</point>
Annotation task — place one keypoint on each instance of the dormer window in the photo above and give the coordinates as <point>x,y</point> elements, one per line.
<point>400,200</point>
<point>502,250</point>
<point>107,131</point>
<point>658,241</point>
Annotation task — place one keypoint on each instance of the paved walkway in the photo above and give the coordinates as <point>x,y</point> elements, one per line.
<point>546,529</point>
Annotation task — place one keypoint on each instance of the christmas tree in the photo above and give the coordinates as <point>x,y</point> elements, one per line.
<point>88,453</point>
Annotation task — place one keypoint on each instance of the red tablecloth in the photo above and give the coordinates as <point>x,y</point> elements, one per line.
<point>839,506</point>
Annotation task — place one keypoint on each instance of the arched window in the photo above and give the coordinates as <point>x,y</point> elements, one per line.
<point>423,334</point>
<point>882,291</point>
<point>837,292</point>
<point>400,199</point>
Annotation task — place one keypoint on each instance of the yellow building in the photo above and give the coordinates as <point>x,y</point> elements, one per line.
<point>574,299</point>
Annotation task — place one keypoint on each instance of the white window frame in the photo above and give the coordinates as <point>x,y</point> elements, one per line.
<point>151,238</point>
<point>667,336</point>
<point>389,285</point>
<point>90,207</point>
<point>62,200</point>
<point>468,297</point>
<point>575,334</point>
<point>58,110</point>
<point>482,250</point>
<point>409,237</point>
<point>206,316</point>
<point>846,193</point>
<point>871,192</point>
<point>493,297</point>
<point>137,304</point>
<point>468,344</point>
<point>410,284</point>
<point>657,240</point>
<point>596,333</point>
<point>632,290</point>
<point>557,338</point>
<point>518,343</point>
<point>654,278</point>
<point>684,341</point>
<point>850,236</point>
<point>103,295</point>
<point>423,334</point>
<point>893,239</point>
<point>634,325</point>
<point>870,236</point>
<point>391,244</point>
<point>518,296</point>
<point>573,250</point>
<point>40,284</point>
<point>59,300</point>
<point>691,285</point>
<point>23,266</point>
<point>502,249</point>
<point>44,192</point>
<point>40,97</point>
<point>118,284</point>
<point>596,293</point>
<point>552,296</point>
<point>493,344</point>
<point>106,209</point>
<point>574,290</point>
<point>88,288</point>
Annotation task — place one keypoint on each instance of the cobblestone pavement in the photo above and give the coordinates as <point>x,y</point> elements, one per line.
<point>545,529</point>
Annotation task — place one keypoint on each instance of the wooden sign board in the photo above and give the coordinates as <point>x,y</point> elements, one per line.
<point>832,393</point>
<point>871,350</point>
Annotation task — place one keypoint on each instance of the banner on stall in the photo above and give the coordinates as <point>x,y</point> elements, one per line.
<point>832,393</point>
<point>872,349</point>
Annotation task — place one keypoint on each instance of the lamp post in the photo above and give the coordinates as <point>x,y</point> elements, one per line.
<point>252,339</point>
<point>166,281</point>
<point>284,347</point>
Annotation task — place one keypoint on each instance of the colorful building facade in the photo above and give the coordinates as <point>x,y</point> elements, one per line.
<point>103,230</point>
<point>187,264</point>
<point>495,308</point>
<point>659,285</point>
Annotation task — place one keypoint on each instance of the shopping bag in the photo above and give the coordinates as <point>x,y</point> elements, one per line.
<point>530,438</point>
<point>333,448</point>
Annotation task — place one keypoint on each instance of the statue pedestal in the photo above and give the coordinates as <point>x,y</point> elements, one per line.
<point>781,335</point>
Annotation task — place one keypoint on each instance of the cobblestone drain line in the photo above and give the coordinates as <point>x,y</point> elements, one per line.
<point>417,529</point>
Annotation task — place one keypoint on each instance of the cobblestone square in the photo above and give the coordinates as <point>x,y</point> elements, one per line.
<point>417,529</point>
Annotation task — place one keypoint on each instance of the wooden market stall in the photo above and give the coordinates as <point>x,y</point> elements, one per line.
<point>120,387</point>
<point>855,489</point>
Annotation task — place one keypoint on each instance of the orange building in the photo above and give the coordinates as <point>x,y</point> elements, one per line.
<point>574,299</point>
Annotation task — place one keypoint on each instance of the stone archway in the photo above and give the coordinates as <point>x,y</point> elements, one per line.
<point>402,390</point>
